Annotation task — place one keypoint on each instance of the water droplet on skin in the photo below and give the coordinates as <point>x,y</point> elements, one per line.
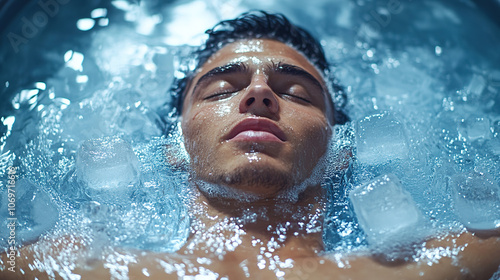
<point>223,110</point>
<point>253,157</point>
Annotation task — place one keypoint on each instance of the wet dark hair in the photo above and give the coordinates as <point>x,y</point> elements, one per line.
<point>260,25</point>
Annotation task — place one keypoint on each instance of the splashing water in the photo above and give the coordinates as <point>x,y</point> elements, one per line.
<point>87,122</point>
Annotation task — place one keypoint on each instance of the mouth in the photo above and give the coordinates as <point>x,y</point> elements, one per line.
<point>256,130</point>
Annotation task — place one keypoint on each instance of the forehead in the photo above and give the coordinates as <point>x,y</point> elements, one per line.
<point>258,53</point>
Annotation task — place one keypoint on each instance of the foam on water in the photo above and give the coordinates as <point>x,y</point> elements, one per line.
<point>85,129</point>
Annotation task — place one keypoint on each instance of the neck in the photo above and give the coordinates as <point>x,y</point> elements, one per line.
<point>225,227</point>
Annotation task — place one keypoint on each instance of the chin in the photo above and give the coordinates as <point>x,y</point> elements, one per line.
<point>259,181</point>
<point>251,177</point>
<point>265,179</point>
<point>271,178</point>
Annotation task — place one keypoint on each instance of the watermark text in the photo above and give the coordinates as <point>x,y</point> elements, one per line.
<point>31,25</point>
<point>11,217</point>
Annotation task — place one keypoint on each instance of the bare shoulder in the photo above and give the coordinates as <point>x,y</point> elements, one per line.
<point>463,256</point>
<point>30,261</point>
<point>69,257</point>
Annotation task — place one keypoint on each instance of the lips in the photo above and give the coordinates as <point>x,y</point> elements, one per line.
<point>256,129</point>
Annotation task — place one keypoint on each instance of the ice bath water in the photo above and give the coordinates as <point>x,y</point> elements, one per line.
<point>85,99</point>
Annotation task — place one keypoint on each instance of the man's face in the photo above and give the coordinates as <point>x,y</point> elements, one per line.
<point>255,118</point>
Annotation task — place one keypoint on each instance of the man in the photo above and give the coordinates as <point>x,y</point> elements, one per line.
<point>257,118</point>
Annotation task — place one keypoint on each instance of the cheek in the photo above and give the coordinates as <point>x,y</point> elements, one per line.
<point>311,125</point>
<point>312,133</point>
<point>320,133</point>
<point>315,134</point>
<point>221,110</point>
<point>203,126</point>
<point>192,129</point>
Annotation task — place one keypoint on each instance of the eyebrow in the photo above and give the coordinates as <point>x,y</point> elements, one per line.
<point>288,69</point>
<point>240,67</point>
<point>230,68</point>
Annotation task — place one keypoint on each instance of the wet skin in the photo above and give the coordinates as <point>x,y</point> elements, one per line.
<point>243,114</point>
<point>255,118</point>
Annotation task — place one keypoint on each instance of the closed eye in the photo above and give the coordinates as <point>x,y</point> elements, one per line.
<point>219,95</point>
<point>296,97</point>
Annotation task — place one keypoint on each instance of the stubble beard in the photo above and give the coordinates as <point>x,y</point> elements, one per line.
<point>253,181</point>
<point>263,182</point>
<point>244,183</point>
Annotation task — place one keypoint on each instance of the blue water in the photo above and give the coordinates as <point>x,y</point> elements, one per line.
<point>95,77</point>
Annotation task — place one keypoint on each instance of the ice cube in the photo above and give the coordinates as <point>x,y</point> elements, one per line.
<point>380,138</point>
<point>107,168</point>
<point>476,200</point>
<point>167,228</point>
<point>477,85</point>
<point>385,211</point>
<point>35,212</point>
<point>494,78</point>
<point>475,127</point>
<point>494,145</point>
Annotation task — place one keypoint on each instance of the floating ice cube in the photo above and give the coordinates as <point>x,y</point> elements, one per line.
<point>159,223</point>
<point>35,212</point>
<point>380,138</point>
<point>167,228</point>
<point>475,127</point>
<point>108,169</point>
<point>477,200</point>
<point>384,210</point>
<point>494,78</point>
<point>477,85</point>
<point>140,123</point>
<point>494,145</point>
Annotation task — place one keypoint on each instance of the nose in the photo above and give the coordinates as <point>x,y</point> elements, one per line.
<point>259,98</point>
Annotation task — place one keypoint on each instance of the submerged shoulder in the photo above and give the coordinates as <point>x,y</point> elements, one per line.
<point>464,256</point>
<point>460,256</point>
